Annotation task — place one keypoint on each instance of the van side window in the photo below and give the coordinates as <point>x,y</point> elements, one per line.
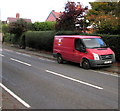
<point>78,44</point>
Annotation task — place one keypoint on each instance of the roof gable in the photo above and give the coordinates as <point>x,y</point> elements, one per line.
<point>56,14</point>
<point>53,16</point>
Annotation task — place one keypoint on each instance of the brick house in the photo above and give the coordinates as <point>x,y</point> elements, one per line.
<point>53,16</point>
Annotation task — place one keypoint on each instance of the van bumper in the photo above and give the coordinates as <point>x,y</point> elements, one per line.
<point>101,63</point>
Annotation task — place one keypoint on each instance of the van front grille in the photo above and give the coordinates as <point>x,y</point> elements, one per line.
<point>104,57</point>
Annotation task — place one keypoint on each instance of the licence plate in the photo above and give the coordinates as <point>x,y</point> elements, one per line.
<point>107,62</point>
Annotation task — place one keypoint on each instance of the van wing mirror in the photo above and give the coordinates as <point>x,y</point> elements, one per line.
<point>83,49</point>
<point>78,49</point>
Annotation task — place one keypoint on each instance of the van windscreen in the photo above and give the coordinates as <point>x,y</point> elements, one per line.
<point>94,43</point>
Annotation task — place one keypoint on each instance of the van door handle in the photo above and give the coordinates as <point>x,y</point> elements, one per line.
<point>73,50</point>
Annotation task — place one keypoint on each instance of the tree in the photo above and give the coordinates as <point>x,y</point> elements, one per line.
<point>105,17</point>
<point>71,16</point>
<point>44,26</point>
<point>18,27</point>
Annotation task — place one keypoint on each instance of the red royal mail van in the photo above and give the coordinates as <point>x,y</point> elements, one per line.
<point>89,51</point>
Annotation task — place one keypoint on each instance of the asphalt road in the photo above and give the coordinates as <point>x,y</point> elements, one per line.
<point>45,84</point>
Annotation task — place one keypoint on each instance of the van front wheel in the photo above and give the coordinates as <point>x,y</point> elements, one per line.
<point>85,64</point>
<point>59,59</point>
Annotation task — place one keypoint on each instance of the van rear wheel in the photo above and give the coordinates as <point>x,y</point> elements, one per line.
<point>59,59</point>
<point>86,64</point>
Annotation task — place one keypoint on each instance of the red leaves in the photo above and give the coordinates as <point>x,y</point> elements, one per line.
<point>68,19</point>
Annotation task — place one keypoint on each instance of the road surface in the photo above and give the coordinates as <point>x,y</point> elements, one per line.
<point>44,84</point>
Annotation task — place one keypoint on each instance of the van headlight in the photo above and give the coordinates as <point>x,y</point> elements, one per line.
<point>96,56</point>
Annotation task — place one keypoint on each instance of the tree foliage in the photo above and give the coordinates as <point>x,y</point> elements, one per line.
<point>30,26</point>
<point>4,28</point>
<point>18,27</point>
<point>70,16</point>
<point>44,26</point>
<point>105,17</point>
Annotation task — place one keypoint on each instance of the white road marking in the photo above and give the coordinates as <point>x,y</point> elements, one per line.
<point>105,73</point>
<point>26,55</point>
<point>18,53</point>
<point>15,96</point>
<point>8,50</point>
<point>21,62</point>
<point>75,80</point>
<point>46,59</point>
<point>41,58</point>
<point>2,55</point>
<point>23,54</point>
<point>0,49</point>
<point>50,60</point>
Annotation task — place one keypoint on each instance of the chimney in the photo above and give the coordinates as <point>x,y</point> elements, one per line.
<point>17,15</point>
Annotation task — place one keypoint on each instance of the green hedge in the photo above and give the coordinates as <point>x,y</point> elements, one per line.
<point>68,33</point>
<point>42,40</point>
<point>113,41</point>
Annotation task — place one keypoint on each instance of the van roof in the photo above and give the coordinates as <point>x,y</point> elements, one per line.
<point>78,36</point>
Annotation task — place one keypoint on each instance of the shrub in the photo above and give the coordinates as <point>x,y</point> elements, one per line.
<point>42,40</point>
<point>44,26</point>
<point>9,38</point>
<point>6,37</point>
<point>4,28</point>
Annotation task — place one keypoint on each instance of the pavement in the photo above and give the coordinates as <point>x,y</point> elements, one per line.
<point>9,102</point>
<point>115,68</point>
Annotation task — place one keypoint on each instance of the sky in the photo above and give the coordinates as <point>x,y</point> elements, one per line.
<point>36,10</point>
